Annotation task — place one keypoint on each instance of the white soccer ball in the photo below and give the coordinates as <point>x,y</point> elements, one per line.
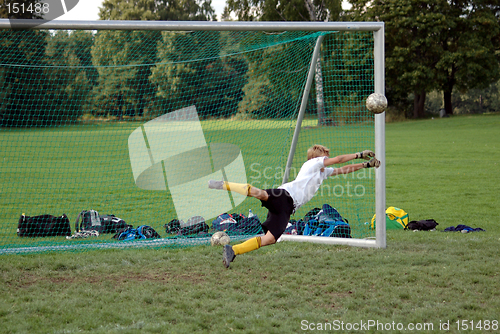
<point>220,239</point>
<point>376,103</point>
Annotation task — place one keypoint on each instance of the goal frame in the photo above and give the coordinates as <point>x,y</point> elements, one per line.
<point>379,86</point>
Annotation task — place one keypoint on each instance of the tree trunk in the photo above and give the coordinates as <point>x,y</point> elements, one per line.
<point>419,104</point>
<point>320,102</point>
<point>448,107</point>
<point>318,77</point>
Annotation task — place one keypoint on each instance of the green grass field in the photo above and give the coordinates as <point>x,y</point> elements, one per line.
<point>446,169</point>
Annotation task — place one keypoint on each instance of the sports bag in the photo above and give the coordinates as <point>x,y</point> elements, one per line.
<point>224,222</point>
<point>142,232</point>
<point>422,225</point>
<point>237,223</point>
<point>173,226</point>
<point>43,226</point>
<point>91,220</point>
<point>312,214</point>
<point>295,227</point>
<point>194,225</point>
<point>248,225</point>
<point>395,218</point>
<point>328,223</point>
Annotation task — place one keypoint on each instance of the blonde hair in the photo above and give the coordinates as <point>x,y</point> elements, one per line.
<point>317,151</point>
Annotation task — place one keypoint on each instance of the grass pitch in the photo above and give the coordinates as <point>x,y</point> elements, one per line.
<point>446,169</point>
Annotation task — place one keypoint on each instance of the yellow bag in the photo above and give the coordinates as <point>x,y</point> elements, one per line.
<point>395,218</point>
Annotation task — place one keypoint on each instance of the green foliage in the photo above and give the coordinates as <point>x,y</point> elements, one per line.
<point>475,101</point>
<point>348,59</point>
<point>478,100</point>
<point>272,90</point>
<point>294,10</point>
<point>267,97</point>
<point>46,77</point>
<point>22,78</point>
<point>124,67</point>
<point>435,45</point>
<point>163,10</point>
<point>69,68</point>
<point>190,69</point>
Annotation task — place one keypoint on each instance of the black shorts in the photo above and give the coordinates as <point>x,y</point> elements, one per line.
<point>280,206</point>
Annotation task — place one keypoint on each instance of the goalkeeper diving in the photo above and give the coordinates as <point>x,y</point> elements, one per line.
<point>283,201</point>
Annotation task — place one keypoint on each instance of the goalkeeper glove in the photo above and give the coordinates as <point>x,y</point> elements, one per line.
<point>366,154</point>
<point>372,163</point>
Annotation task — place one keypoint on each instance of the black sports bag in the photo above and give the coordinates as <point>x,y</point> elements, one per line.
<point>91,220</point>
<point>43,226</point>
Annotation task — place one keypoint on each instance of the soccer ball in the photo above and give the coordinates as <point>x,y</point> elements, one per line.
<point>376,103</point>
<point>220,239</point>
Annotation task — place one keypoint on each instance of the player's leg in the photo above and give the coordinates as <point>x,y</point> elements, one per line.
<point>241,188</point>
<point>267,239</point>
<point>230,252</point>
<point>274,226</point>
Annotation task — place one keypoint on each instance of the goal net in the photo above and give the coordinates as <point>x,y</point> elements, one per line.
<point>133,123</point>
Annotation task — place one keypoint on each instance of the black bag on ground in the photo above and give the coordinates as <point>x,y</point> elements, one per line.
<point>249,225</point>
<point>422,225</point>
<point>194,225</point>
<point>43,226</point>
<point>91,220</point>
<point>173,226</point>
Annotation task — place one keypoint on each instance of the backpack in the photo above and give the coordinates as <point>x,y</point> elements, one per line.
<point>422,225</point>
<point>395,218</point>
<point>142,232</point>
<point>237,223</point>
<point>312,214</point>
<point>173,226</point>
<point>194,225</point>
<point>295,227</point>
<point>43,226</point>
<point>248,225</point>
<point>327,223</point>
<point>91,220</point>
<point>224,222</point>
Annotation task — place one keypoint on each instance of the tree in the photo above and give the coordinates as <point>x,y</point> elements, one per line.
<point>293,10</point>
<point>69,72</point>
<point>159,10</point>
<point>272,90</point>
<point>22,79</point>
<point>19,83</point>
<point>191,72</point>
<point>125,65</point>
<point>434,44</point>
<point>468,60</point>
<point>274,10</point>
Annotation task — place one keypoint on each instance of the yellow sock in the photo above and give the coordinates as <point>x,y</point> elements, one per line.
<point>240,188</point>
<point>247,246</point>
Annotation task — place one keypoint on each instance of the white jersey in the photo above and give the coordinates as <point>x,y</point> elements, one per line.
<point>307,183</point>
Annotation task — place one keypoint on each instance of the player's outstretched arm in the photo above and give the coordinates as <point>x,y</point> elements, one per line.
<point>366,154</point>
<point>355,167</point>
